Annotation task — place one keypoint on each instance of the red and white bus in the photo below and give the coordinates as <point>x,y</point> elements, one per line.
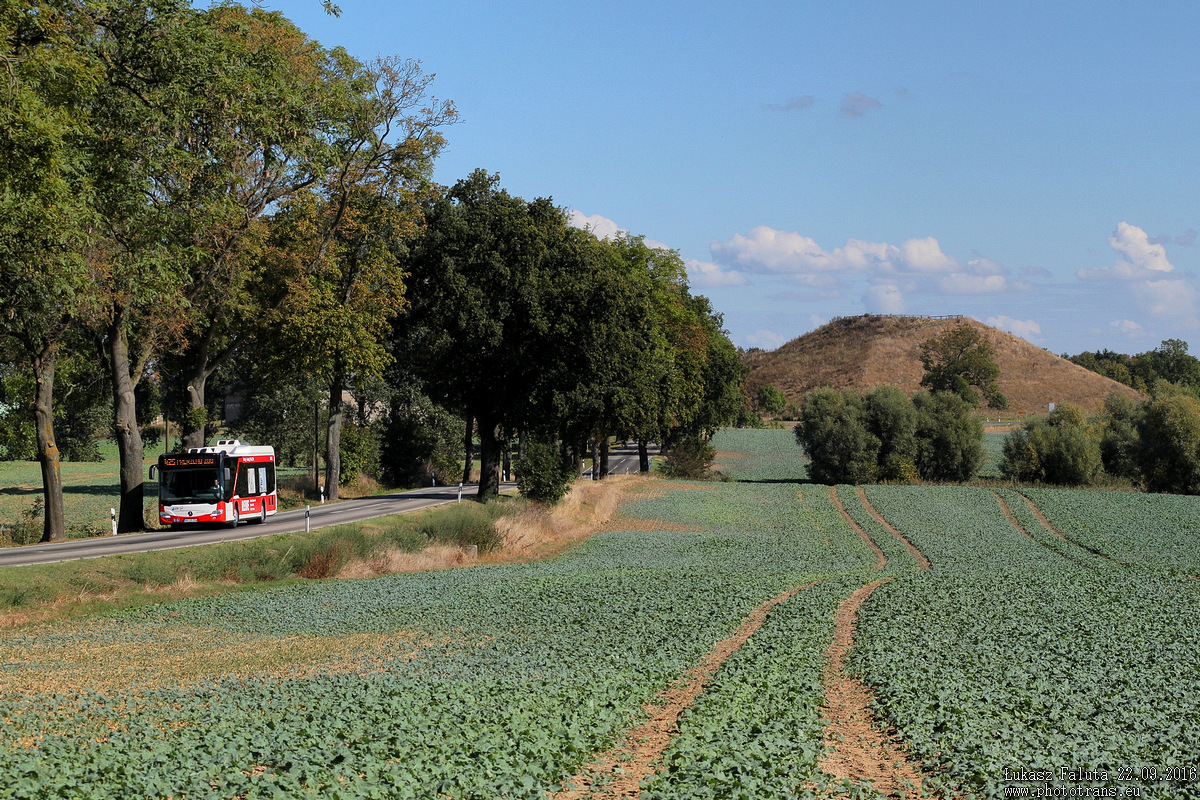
<point>226,484</point>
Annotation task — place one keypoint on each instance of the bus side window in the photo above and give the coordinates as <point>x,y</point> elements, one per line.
<point>263,486</point>
<point>251,483</point>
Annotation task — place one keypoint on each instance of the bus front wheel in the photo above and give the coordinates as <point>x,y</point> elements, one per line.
<point>233,522</point>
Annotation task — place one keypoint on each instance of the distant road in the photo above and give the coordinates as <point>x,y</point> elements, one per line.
<point>338,513</point>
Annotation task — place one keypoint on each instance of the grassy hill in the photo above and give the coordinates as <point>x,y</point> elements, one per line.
<point>871,350</point>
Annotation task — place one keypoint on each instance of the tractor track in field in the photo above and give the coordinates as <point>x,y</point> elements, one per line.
<point>880,558</point>
<point>1012,520</point>
<point>636,757</point>
<point>857,748</point>
<point>922,561</point>
<point>1045,522</point>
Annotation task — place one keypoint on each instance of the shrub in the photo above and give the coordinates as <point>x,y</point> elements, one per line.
<point>542,475</point>
<point>690,458</point>
<point>1169,455</point>
<point>833,432</point>
<point>1120,442</point>
<point>359,452</point>
<point>1061,449</point>
<point>771,399</point>
<point>892,419</point>
<point>949,437</point>
<point>464,524</point>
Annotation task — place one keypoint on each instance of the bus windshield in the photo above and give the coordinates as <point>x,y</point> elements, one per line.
<point>190,485</point>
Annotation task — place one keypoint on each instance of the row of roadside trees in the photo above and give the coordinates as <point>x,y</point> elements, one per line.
<point>197,196</point>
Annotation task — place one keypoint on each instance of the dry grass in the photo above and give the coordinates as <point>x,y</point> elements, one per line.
<point>870,351</point>
<point>590,506</point>
<point>393,560</point>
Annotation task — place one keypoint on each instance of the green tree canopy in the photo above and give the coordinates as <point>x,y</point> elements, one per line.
<point>962,361</point>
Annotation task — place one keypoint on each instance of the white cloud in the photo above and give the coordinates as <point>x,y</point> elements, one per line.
<point>765,249</point>
<point>1025,328</point>
<point>963,283</point>
<point>1128,327</point>
<point>916,265</point>
<point>708,275</point>
<point>603,227</point>
<point>767,340</point>
<point>1142,266</point>
<point>1138,258</point>
<point>1176,299</point>
<point>884,298</point>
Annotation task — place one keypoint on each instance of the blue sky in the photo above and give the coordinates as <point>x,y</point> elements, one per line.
<point>1032,165</point>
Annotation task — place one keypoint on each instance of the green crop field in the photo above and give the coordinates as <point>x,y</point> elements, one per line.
<point>1021,649</point>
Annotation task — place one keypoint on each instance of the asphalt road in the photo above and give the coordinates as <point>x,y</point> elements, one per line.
<point>621,460</point>
<point>338,513</point>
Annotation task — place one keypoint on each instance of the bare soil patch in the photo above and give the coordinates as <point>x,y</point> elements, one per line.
<point>636,524</point>
<point>913,551</point>
<point>880,558</point>
<point>857,749</point>
<point>636,757</point>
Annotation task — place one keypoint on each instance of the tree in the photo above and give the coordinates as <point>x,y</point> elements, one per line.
<point>45,215</point>
<point>892,419</point>
<point>770,399</point>
<point>1170,451</point>
<point>1060,449</point>
<point>949,437</point>
<point>1121,442</point>
<point>833,432</point>
<point>486,330</point>
<point>961,360</point>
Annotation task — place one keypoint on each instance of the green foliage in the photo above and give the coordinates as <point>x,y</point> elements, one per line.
<point>961,361</point>
<point>1170,449</point>
<point>771,399</point>
<point>1061,449</point>
<point>834,433</point>
<point>542,476</point>
<point>962,657</point>
<point>747,418</point>
<point>281,415</point>
<point>886,436</point>
<point>360,452</point>
<point>892,419</point>
<point>949,437</point>
<point>467,523</point>
<point>689,458</point>
<point>421,439</point>
<point>1121,443</point>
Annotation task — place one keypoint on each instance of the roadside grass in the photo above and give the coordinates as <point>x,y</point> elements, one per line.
<point>95,586</point>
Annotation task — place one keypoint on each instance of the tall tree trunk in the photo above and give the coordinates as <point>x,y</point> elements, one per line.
<point>55,525</point>
<point>333,441</point>
<point>595,459</point>
<point>604,458</point>
<point>469,446</point>
<point>577,459</point>
<point>489,460</point>
<point>192,433</point>
<point>129,438</point>
<point>316,448</point>
<point>643,456</point>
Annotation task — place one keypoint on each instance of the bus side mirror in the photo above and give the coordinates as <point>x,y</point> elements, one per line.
<point>154,472</point>
<point>228,475</point>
